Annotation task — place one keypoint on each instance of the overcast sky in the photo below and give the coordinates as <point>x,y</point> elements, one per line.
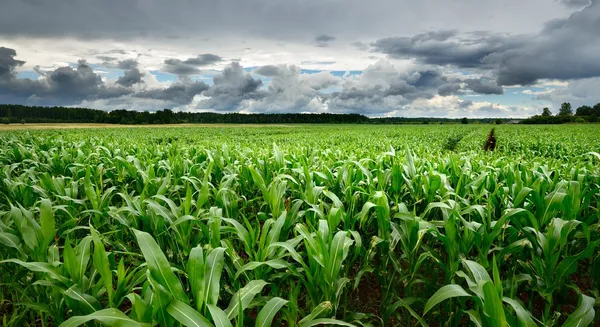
<point>473,58</point>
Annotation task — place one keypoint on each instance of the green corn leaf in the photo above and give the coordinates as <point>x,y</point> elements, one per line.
<point>326,321</point>
<point>102,264</point>
<point>10,240</point>
<point>87,303</point>
<point>159,265</point>
<point>212,275</point>
<point>268,312</point>
<point>444,293</point>
<point>524,317</point>
<point>195,270</point>
<point>583,315</point>
<point>219,317</point>
<point>243,297</point>
<point>492,306</point>
<point>83,257</point>
<point>186,315</point>
<point>110,317</point>
<point>42,267</point>
<point>25,227</point>
<point>275,264</point>
<point>320,310</point>
<point>47,222</point>
<point>70,261</point>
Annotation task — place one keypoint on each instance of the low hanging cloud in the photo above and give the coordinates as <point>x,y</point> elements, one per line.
<point>483,86</point>
<point>324,40</point>
<point>231,87</point>
<point>176,94</point>
<point>565,49</point>
<point>132,74</point>
<point>62,86</point>
<point>190,66</point>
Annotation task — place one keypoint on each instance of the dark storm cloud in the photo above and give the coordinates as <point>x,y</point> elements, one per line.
<point>190,65</point>
<point>178,93</point>
<point>484,86</point>
<point>231,87</point>
<point>131,77</point>
<point>449,89</point>
<point>64,85</point>
<point>8,63</point>
<point>446,47</point>
<point>324,40</point>
<point>565,49</point>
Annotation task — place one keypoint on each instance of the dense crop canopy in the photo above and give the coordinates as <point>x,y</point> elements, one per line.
<point>300,226</point>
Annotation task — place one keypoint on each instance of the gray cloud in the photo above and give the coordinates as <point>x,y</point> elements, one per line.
<point>268,71</point>
<point>575,3</point>
<point>8,63</point>
<point>565,49</point>
<point>230,88</point>
<point>178,94</point>
<point>131,77</point>
<point>382,88</point>
<point>447,47</point>
<point>190,65</point>
<point>484,86</point>
<point>64,85</point>
<point>324,40</point>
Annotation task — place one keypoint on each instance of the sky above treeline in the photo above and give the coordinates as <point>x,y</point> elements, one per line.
<point>426,58</point>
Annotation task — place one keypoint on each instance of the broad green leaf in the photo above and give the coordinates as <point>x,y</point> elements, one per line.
<point>583,315</point>
<point>102,264</point>
<point>266,315</point>
<point>492,306</point>
<point>212,275</point>
<point>219,317</point>
<point>275,264</point>
<point>110,317</point>
<point>243,297</point>
<point>325,321</point>
<point>88,303</point>
<point>10,240</point>
<point>524,317</point>
<point>43,267</point>
<point>444,293</point>
<point>319,311</point>
<point>186,315</point>
<point>159,265</point>
<point>195,270</point>
<point>47,222</point>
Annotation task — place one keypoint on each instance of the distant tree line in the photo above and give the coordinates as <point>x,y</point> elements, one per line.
<point>565,115</point>
<point>38,114</point>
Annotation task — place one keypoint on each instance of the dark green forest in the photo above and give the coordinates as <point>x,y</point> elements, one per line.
<point>29,114</point>
<point>13,114</point>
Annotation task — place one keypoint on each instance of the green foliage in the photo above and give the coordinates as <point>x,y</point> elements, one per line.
<point>300,226</point>
<point>565,109</point>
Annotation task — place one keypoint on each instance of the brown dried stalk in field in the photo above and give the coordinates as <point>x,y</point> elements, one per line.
<point>490,143</point>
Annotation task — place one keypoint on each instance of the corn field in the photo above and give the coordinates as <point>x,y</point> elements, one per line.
<point>300,226</point>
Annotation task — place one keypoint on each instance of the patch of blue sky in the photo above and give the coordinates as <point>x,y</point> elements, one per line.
<point>28,74</point>
<point>163,77</point>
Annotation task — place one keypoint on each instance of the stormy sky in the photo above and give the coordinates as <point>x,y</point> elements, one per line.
<point>437,58</point>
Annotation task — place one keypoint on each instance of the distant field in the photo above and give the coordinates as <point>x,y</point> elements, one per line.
<point>11,127</point>
<point>351,225</point>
